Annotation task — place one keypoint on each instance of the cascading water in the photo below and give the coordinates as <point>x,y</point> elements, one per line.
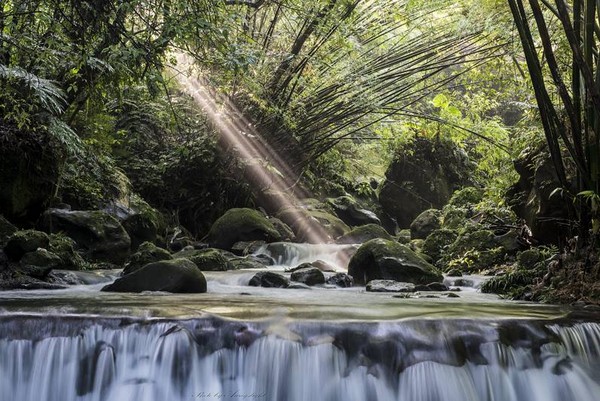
<point>415,360</point>
<point>288,254</point>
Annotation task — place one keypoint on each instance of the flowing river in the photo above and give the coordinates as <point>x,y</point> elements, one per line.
<point>252,343</point>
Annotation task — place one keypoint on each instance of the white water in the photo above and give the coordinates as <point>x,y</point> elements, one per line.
<point>289,255</point>
<point>220,360</point>
<point>313,344</point>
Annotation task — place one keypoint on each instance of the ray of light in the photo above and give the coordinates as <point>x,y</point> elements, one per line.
<point>276,185</point>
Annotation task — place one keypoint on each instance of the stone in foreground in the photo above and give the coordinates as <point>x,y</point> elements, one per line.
<point>177,275</point>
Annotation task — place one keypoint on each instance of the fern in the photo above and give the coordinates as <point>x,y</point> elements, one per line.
<point>62,132</point>
<point>50,96</point>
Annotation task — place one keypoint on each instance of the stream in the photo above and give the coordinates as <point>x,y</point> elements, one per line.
<point>322,343</point>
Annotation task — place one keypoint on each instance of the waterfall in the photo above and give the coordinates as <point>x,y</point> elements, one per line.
<point>84,359</point>
<point>290,255</point>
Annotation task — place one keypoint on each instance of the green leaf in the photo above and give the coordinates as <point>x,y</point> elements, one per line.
<point>441,101</point>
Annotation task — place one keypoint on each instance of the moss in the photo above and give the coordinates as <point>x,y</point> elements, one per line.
<point>25,241</point>
<point>300,221</point>
<point>425,223</point>
<point>466,196</point>
<point>453,217</point>
<point>146,253</point>
<point>64,248</point>
<point>241,224</point>
<point>530,258</point>
<point>403,236</point>
<point>437,242</point>
<point>208,259</point>
<point>382,259</point>
<point>514,284</point>
<point>364,233</point>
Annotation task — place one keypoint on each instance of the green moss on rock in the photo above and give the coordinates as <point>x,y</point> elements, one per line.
<point>364,233</point>
<point>380,259</point>
<point>425,223</point>
<point>241,224</point>
<point>438,242</point>
<point>146,253</point>
<point>25,241</point>
<point>64,247</point>
<point>466,196</point>
<point>208,259</point>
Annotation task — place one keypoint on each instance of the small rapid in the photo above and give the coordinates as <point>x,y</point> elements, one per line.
<point>423,360</point>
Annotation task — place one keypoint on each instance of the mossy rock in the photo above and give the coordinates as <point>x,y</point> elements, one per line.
<point>478,240</point>
<point>6,230</point>
<point>466,196</point>
<point>285,231</point>
<point>147,253</point>
<point>64,247</point>
<point>25,241</point>
<point>39,263</point>
<point>425,223</point>
<point>423,174</point>
<point>30,166</point>
<point>241,224</point>
<point>364,233</point>
<point>313,225</point>
<point>453,217</point>
<point>403,236</point>
<point>474,249</point>
<point>145,224</point>
<point>208,259</point>
<point>530,258</point>
<point>99,234</point>
<point>438,242</point>
<point>351,213</point>
<point>380,259</point>
<point>246,262</point>
<point>176,275</point>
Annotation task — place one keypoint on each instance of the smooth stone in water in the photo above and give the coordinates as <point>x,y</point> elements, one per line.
<point>341,280</point>
<point>309,276</point>
<point>177,275</point>
<point>269,279</point>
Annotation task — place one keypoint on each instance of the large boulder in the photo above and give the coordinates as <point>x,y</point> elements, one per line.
<point>347,209</point>
<point>64,247</point>
<point>530,198</point>
<point>364,233</point>
<point>30,166</point>
<point>25,241</point>
<point>99,234</point>
<point>39,263</point>
<point>177,275</point>
<point>6,230</point>
<point>423,175</point>
<point>312,224</point>
<point>425,223</point>
<point>147,253</point>
<point>381,259</point>
<point>438,242</point>
<point>144,224</point>
<point>241,224</point>
<point>208,259</point>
